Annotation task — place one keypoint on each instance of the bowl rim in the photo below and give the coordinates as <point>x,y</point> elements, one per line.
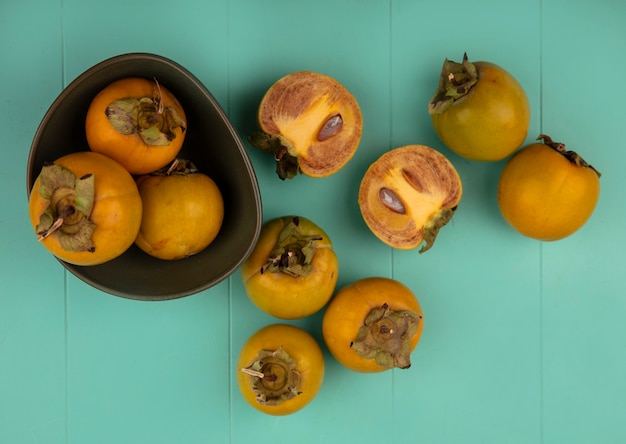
<point>247,164</point>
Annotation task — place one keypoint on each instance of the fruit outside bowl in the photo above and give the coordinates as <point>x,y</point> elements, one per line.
<point>211,143</point>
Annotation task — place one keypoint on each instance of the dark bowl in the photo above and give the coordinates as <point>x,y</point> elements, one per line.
<point>211,143</point>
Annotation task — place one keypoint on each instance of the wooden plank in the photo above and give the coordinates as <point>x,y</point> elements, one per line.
<point>32,298</point>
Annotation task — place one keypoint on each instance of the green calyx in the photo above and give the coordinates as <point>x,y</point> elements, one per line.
<point>293,252</point>
<point>275,378</point>
<point>70,201</point>
<point>386,337</point>
<point>456,81</point>
<point>431,230</point>
<point>147,117</point>
<point>287,166</point>
<point>572,156</point>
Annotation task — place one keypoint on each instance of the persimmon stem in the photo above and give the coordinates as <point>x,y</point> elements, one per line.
<point>572,156</point>
<point>55,226</point>
<point>253,373</point>
<point>159,101</point>
<point>172,167</point>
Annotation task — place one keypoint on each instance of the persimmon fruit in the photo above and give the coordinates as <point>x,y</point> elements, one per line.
<point>546,192</point>
<point>183,211</point>
<point>280,369</point>
<point>137,122</point>
<point>310,123</point>
<point>408,194</point>
<point>373,325</point>
<point>479,111</point>
<point>85,208</point>
<point>292,271</point>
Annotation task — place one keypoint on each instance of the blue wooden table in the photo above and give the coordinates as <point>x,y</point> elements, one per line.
<point>524,342</point>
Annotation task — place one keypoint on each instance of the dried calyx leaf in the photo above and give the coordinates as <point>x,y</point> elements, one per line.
<point>386,337</point>
<point>275,377</point>
<point>455,81</point>
<point>70,201</point>
<point>181,167</point>
<point>148,117</point>
<point>293,252</point>
<point>431,229</point>
<point>572,156</point>
<point>287,166</point>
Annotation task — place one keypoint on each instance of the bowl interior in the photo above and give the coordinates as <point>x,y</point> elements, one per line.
<point>211,143</point>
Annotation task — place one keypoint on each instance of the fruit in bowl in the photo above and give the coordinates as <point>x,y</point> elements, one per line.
<point>183,211</point>
<point>210,142</point>
<point>85,208</point>
<point>137,122</point>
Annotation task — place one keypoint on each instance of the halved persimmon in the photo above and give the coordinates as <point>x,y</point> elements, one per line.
<point>408,194</point>
<point>310,123</point>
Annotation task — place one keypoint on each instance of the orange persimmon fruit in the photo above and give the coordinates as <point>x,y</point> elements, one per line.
<point>85,208</point>
<point>137,122</point>
<point>373,325</point>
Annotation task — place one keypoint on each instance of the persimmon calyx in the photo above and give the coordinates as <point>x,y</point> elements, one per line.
<point>148,117</point>
<point>287,165</point>
<point>70,201</point>
<point>386,336</point>
<point>572,156</point>
<point>275,378</point>
<point>293,252</point>
<point>432,227</point>
<point>456,81</point>
<point>178,167</point>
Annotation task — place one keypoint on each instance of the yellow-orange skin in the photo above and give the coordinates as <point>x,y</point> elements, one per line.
<point>284,296</point>
<point>491,121</point>
<point>116,212</point>
<point>130,150</point>
<point>348,309</point>
<point>302,347</point>
<point>544,196</point>
<point>182,214</point>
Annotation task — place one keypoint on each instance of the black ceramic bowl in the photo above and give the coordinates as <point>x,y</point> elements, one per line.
<point>211,143</point>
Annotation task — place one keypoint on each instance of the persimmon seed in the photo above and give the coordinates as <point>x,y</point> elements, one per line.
<point>330,128</point>
<point>391,201</point>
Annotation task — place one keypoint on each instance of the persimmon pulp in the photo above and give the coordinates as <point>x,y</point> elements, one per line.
<point>408,194</point>
<point>310,123</point>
